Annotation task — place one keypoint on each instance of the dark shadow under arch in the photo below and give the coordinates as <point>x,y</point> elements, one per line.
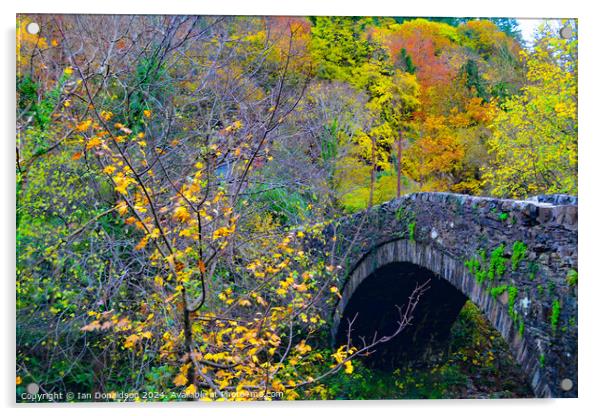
<point>374,310</point>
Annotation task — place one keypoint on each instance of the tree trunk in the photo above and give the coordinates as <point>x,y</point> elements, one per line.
<point>372,174</point>
<point>399,146</point>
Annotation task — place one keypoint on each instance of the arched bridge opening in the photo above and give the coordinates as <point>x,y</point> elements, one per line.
<point>384,279</point>
<point>374,311</point>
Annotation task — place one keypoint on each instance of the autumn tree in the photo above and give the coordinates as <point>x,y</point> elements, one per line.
<point>534,144</point>
<point>141,244</point>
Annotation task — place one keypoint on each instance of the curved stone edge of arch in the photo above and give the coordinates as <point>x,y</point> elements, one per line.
<point>457,274</point>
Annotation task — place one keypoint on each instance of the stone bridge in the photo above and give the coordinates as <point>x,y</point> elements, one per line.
<point>516,260</point>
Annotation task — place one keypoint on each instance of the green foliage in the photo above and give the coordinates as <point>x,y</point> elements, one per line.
<point>498,290</point>
<point>512,294</point>
<point>555,315</point>
<point>385,189</point>
<point>339,46</point>
<point>519,252</point>
<point>411,230</point>
<point>572,277</point>
<point>533,268</point>
<point>497,263</point>
<point>473,79</point>
<point>481,351</point>
<point>405,61</point>
<point>551,288</point>
<point>435,384</point>
<point>150,78</point>
<point>503,216</point>
<point>37,102</point>
<point>475,266</point>
<point>409,217</point>
<point>496,268</point>
<point>28,92</point>
<point>329,142</point>
<point>363,384</point>
<point>286,206</point>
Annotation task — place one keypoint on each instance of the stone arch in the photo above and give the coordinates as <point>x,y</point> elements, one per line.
<point>455,272</point>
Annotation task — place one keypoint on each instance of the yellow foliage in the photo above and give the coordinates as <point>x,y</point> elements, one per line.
<point>83,125</point>
<point>303,348</point>
<point>181,214</point>
<point>93,143</point>
<point>223,232</point>
<point>190,390</point>
<point>180,379</point>
<point>348,367</point>
<point>130,341</point>
<point>109,169</point>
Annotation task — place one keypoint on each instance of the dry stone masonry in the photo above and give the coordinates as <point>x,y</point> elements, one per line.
<point>516,260</point>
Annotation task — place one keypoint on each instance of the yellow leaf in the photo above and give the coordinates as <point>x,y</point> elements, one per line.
<point>83,125</point>
<point>223,232</point>
<point>180,380</point>
<point>109,169</point>
<point>181,214</point>
<point>303,348</point>
<point>122,208</point>
<point>301,288</point>
<point>190,390</point>
<point>334,290</point>
<point>106,115</point>
<point>141,244</point>
<point>130,341</point>
<point>94,142</point>
<point>348,367</point>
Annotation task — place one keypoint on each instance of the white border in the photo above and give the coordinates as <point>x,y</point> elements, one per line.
<point>590,145</point>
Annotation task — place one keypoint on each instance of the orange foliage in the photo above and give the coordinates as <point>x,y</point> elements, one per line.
<point>291,32</point>
<point>427,44</point>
